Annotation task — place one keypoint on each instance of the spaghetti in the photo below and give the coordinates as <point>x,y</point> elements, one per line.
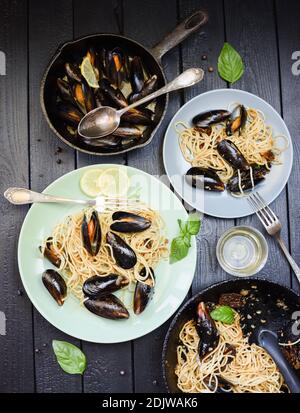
<point>248,368</point>
<point>77,265</point>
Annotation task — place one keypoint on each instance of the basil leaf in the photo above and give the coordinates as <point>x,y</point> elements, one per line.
<point>224,313</point>
<point>230,64</point>
<point>179,249</point>
<point>193,224</point>
<point>70,358</point>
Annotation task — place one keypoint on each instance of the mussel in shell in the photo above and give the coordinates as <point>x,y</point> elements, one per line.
<point>129,222</point>
<point>73,72</point>
<point>232,155</point>
<point>64,90</point>
<point>128,131</point>
<point>149,87</point>
<point>56,285</point>
<point>96,285</point>
<point>108,306</point>
<point>244,182</point>
<point>206,119</point>
<point>83,96</point>
<point>123,254</point>
<point>207,331</point>
<point>50,253</point>
<point>141,116</point>
<point>113,95</point>
<point>136,74</point>
<point>91,233</point>
<point>116,66</point>
<point>143,292</point>
<point>237,120</point>
<point>69,113</point>
<point>109,142</point>
<point>204,179</point>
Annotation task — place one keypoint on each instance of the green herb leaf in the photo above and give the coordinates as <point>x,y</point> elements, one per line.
<point>224,313</point>
<point>230,64</point>
<point>70,358</point>
<point>179,249</point>
<point>193,224</point>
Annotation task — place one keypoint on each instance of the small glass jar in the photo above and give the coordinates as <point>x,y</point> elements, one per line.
<point>242,251</point>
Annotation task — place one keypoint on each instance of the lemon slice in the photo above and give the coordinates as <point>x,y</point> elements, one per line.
<point>113,182</point>
<point>89,182</point>
<point>88,72</point>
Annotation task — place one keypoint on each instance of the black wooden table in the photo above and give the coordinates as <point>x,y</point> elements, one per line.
<point>265,32</point>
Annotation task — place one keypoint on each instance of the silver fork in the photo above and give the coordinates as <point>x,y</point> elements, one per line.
<point>272,225</point>
<point>22,196</point>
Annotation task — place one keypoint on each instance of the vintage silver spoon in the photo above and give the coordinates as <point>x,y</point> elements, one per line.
<point>104,120</point>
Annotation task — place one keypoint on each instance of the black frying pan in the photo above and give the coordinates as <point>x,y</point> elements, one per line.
<point>269,294</point>
<point>71,51</point>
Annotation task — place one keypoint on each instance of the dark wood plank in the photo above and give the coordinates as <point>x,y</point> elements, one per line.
<point>289,42</point>
<point>148,24</point>
<point>250,27</point>
<point>50,24</point>
<point>90,17</point>
<point>16,355</point>
<point>209,44</point>
<point>105,361</point>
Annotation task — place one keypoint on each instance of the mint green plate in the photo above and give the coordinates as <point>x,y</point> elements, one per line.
<point>172,280</point>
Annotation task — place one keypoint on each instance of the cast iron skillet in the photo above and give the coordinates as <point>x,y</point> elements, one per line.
<point>73,50</point>
<point>212,293</point>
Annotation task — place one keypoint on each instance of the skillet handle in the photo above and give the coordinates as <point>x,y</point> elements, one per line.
<point>181,32</point>
<point>269,341</point>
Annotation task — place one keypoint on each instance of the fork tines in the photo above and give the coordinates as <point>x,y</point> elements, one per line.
<point>262,210</point>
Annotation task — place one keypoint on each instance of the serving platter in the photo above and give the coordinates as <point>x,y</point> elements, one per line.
<point>172,280</point>
<point>224,205</point>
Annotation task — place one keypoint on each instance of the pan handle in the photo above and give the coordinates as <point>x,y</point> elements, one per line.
<point>269,341</point>
<point>181,32</point>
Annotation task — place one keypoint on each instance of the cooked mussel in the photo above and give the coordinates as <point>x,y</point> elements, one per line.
<point>50,253</point>
<point>69,113</point>
<point>207,331</point>
<point>148,88</point>
<point>96,285</point>
<point>73,72</point>
<point>128,131</point>
<point>244,182</point>
<point>204,179</point>
<point>136,75</point>
<point>91,233</point>
<point>206,119</point>
<point>143,292</point>
<point>141,116</point>
<point>129,222</point>
<point>237,120</point>
<point>231,154</point>
<point>116,66</point>
<point>64,90</point>
<point>114,95</point>
<point>123,254</point>
<point>83,96</point>
<point>107,142</point>
<point>108,306</point>
<point>56,285</point>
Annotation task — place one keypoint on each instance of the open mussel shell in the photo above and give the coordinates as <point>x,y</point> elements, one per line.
<point>204,179</point>
<point>108,306</point>
<point>232,155</point>
<point>73,72</point>
<point>149,87</point>
<point>143,292</point>
<point>69,113</point>
<point>207,331</point>
<point>116,69</point>
<point>141,116</point>
<point>237,120</point>
<point>206,119</point>
<point>235,183</point>
<point>83,96</point>
<point>96,285</point>
<point>136,75</point>
<point>91,233</point>
<point>123,254</point>
<point>113,95</point>
<point>64,90</point>
<point>129,222</point>
<point>56,285</point>
<point>50,254</point>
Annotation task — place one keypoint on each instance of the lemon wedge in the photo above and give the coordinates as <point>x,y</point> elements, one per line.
<point>113,182</point>
<point>89,182</point>
<point>88,73</point>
